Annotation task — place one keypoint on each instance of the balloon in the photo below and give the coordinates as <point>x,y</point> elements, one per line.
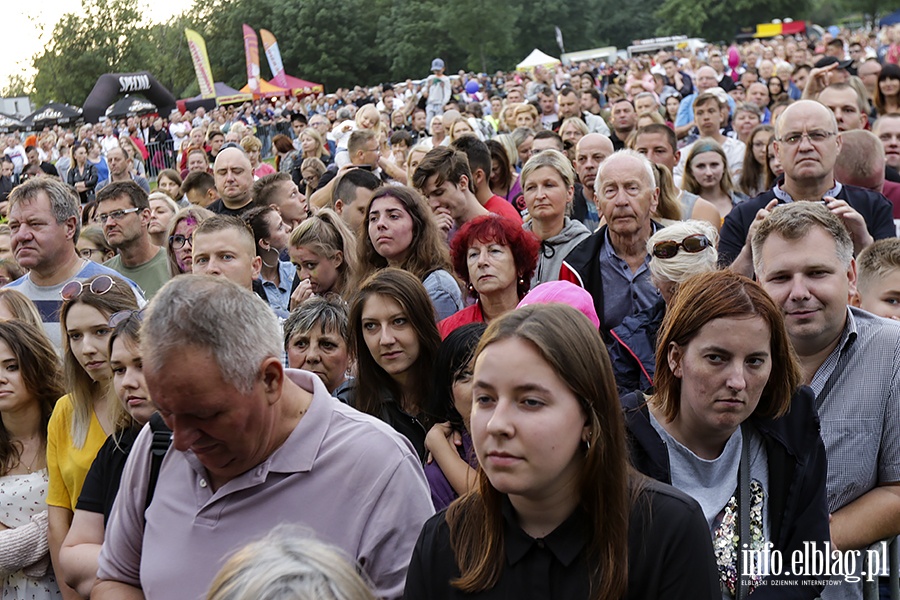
<point>472,86</point>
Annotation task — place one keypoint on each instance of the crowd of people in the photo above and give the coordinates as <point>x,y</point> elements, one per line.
<point>598,331</point>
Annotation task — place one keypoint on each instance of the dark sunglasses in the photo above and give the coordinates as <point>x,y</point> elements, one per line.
<point>123,315</point>
<point>692,244</point>
<point>98,286</point>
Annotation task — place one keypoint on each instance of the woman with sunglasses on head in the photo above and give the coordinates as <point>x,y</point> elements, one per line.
<point>557,512</point>
<point>181,235</point>
<point>730,424</point>
<point>394,341</point>
<point>84,417</point>
<point>30,382</point>
<point>78,555</point>
<point>677,252</point>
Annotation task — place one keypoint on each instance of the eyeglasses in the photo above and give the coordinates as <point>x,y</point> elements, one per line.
<point>814,137</point>
<point>178,241</point>
<point>116,214</point>
<point>123,315</point>
<point>89,252</point>
<point>98,286</point>
<point>691,244</point>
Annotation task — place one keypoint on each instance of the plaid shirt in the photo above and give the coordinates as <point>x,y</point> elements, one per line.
<point>857,391</point>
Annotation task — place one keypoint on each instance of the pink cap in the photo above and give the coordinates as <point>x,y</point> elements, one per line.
<point>563,292</point>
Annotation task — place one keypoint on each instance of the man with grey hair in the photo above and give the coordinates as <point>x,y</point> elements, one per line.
<point>253,446</point>
<point>612,263</point>
<point>807,143</point>
<point>45,222</point>
<point>803,257</point>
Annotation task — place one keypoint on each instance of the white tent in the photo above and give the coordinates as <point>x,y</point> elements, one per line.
<point>537,59</point>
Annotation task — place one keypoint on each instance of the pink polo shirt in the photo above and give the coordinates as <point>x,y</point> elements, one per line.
<point>347,477</point>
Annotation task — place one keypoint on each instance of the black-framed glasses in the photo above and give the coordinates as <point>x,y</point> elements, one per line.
<point>116,214</point>
<point>120,317</point>
<point>691,244</point>
<point>88,253</point>
<point>178,241</point>
<point>814,137</point>
<point>99,286</point>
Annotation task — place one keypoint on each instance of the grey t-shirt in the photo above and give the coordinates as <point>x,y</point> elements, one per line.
<point>713,483</point>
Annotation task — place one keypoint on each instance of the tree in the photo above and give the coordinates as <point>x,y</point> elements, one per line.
<point>17,86</point>
<point>715,20</point>
<point>105,36</point>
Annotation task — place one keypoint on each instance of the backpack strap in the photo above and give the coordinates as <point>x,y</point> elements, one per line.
<point>162,439</point>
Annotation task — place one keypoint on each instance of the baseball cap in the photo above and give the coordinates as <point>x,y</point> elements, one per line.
<point>830,60</point>
<point>437,64</point>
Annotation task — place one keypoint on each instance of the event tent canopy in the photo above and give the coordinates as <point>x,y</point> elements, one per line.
<point>8,123</point>
<point>53,114</point>
<point>130,106</point>
<point>537,59</point>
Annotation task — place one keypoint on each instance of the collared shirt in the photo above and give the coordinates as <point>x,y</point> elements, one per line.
<point>279,296</point>
<point>857,391</point>
<point>669,555</point>
<point>350,479</point>
<point>783,196</point>
<point>625,292</point>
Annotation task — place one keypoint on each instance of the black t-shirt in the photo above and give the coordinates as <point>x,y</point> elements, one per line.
<point>218,207</point>
<point>102,482</point>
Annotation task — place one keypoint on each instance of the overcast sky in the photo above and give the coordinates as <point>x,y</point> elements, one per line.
<point>22,39</point>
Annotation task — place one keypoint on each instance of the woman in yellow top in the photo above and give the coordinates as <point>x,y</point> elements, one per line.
<point>83,418</point>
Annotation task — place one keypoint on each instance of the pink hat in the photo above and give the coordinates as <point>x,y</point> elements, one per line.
<point>563,292</point>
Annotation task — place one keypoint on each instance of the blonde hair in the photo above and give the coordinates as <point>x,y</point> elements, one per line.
<point>684,264</point>
<point>251,143</point>
<point>326,234</point>
<point>877,261</point>
<point>288,564</point>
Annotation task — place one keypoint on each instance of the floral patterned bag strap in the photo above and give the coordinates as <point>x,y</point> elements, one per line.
<point>743,581</point>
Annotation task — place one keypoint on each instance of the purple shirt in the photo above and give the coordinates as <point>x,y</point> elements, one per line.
<point>346,476</point>
<point>442,493</point>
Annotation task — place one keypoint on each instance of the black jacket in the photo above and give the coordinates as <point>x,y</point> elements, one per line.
<point>798,511</point>
<point>875,209</point>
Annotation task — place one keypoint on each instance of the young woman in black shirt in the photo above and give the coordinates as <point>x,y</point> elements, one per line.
<point>558,512</point>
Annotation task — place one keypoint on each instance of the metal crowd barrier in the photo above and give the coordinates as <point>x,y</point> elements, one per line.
<point>871,584</point>
<point>162,156</point>
<point>265,133</point>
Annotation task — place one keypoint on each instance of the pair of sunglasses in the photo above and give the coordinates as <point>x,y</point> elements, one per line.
<point>691,244</point>
<point>123,315</point>
<point>98,286</point>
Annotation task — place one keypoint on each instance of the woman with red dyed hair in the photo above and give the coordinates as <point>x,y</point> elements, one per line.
<point>495,258</point>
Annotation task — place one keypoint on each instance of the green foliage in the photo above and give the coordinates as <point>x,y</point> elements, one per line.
<point>16,86</point>
<point>717,21</point>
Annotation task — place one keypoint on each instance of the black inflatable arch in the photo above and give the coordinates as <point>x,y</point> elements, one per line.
<point>112,85</point>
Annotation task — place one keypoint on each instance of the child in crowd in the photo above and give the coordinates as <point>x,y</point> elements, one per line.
<point>878,283</point>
